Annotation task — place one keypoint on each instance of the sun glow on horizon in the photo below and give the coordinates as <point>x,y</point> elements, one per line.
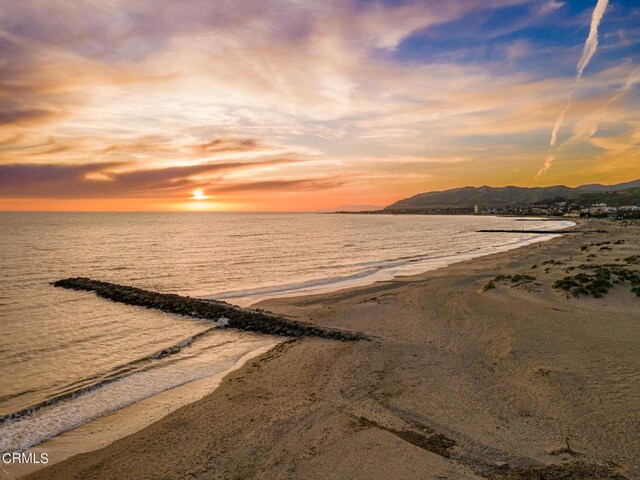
<point>198,194</point>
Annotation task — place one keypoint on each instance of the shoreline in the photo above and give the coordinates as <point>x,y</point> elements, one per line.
<point>435,263</point>
<point>322,304</point>
<point>83,438</point>
<point>248,298</point>
<point>73,442</point>
<point>105,430</point>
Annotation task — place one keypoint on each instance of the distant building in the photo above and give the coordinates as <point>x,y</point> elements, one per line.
<point>476,209</point>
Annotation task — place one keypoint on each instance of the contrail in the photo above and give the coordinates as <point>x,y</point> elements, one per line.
<point>591,45</point>
<point>589,50</point>
<point>559,121</point>
<point>547,165</point>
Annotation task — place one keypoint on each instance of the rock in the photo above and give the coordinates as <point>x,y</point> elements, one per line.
<point>225,314</point>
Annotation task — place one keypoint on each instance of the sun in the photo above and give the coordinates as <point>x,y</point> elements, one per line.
<point>198,194</point>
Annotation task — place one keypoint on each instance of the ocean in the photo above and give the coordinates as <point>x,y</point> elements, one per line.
<point>68,357</point>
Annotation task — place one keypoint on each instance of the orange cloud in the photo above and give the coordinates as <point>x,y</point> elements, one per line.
<point>99,180</point>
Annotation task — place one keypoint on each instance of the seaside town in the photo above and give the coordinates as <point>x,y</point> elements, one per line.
<point>567,209</point>
<point>619,201</point>
<point>555,209</point>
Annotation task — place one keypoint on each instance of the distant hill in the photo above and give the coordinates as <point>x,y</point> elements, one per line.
<point>356,208</point>
<point>495,197</point>
<point>615,198</point>
<point>596,187</point>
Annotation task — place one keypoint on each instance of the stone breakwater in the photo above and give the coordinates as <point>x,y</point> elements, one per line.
<point>537,232</point>
<point>240,318</point>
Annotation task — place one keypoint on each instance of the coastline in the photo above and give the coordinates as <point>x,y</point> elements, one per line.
<point>246,298</point>
<point>106,429</point>
<point>103,431</point>
<point>294,387</point>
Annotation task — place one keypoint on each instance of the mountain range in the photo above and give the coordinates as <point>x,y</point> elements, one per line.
<point>495,197</point>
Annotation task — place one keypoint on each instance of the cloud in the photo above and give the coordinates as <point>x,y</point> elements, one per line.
<point>144,152</point>
<point>100,180</point>
<point>589,50</point>
<point>165,88</point>
<point>28,178</point>
<point>589,125</point>
<point>297,185</point>
<point>227,145</point>
<point>10,114</point>
<point>547,165</point>
<point>160,147</point>
<point>560,121</point>
<point>550,6</point>
<point>517,50</point>
<point>591,45</point>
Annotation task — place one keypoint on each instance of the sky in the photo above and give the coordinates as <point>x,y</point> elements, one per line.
<point>273,105</point>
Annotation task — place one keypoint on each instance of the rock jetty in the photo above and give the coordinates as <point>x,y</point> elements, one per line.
<point>236,317</point>
<point>538,232</point>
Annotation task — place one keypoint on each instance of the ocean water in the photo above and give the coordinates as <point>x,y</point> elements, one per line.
<point>68,357</point>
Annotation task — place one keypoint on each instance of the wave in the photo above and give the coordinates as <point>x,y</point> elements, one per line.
<point>386,269</point>
<point>75,389</point>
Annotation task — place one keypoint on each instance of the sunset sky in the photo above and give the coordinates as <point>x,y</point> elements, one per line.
<point>309,105</point>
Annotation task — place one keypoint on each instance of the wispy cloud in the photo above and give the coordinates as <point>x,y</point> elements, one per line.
<point>559,122</point>
<point>304,184</point>
<point>550,6</point>
<point>589,125</point>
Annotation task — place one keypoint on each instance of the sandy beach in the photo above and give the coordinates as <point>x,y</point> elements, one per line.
<point>459,381</point>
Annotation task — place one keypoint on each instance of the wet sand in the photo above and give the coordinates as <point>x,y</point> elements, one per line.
<point>458,382</point>
<point>107,429</point>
